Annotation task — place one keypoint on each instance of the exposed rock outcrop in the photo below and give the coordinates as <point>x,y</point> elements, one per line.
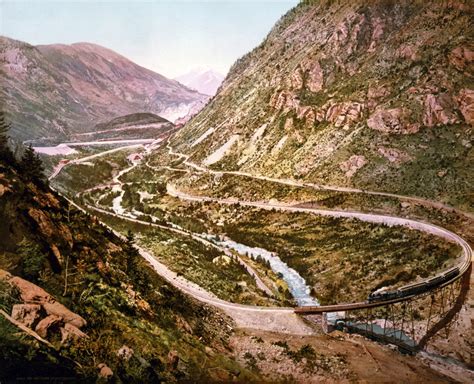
<point>466,104</point>
<point>352,165</point>
<point>27,314</point>
<point>394,120</point>
<point>31,294</point>
<point>46,325</point>
<point>70,333</point>
<point>462,59</point>
<point>439,109</point>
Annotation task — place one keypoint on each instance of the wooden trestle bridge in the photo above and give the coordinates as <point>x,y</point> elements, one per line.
<point>407,321</point>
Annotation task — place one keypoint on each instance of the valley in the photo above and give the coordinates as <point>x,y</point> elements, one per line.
<point>188,235</point>
<point>306,218</point>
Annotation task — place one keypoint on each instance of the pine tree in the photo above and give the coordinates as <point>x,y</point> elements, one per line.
<point>5,151</point>
<point>132,253</point>
<point>31,165</point>
<point>32,259</point>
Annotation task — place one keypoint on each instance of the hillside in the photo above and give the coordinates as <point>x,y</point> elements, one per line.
<point>85,306</point>
<point>55,90</point>
<point>132,126</point>
<point>377,95</point>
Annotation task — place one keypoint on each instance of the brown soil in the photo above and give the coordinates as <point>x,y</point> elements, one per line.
<point>336,358</point>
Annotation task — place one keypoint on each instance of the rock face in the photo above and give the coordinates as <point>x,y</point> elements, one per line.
<point>47,324</point>
<point>466,104</point>
<point>71,88</point>
<point>338,79</point>
<point>27,314</point>
<point>439,110</point>
<point>393,120</point>
<point>351,166</point>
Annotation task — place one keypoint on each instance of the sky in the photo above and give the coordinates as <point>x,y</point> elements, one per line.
<point>170,37</point>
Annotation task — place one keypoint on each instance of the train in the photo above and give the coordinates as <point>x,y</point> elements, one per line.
<point>384,294</point>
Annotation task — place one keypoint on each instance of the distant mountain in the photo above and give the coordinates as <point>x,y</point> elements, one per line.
<point>377,95</point>
<point>205,81</point>
<point>56,90</point>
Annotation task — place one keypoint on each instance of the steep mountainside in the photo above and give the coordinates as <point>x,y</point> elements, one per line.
<point>206,81</point>
<point>52,90</point>
<point>373,94</point>
<point>78,302</point>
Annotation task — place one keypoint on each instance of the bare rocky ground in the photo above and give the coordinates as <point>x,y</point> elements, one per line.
<point>333,358</point>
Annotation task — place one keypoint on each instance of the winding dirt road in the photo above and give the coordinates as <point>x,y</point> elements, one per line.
<point>271,318</point>
<point>295,183</point>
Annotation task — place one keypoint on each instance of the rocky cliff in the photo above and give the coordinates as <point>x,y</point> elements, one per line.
<point>53,90</point>
<point>373,94</point>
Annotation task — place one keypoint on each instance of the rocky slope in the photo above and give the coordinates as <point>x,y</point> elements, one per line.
<point>373,94</point>
<point>77,302</point>
<point>53,90</point>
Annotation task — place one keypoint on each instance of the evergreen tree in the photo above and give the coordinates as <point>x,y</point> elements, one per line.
<point>5,151</point>
<point>32,259</point>
<point>31,165</point>
<point>132,253</point>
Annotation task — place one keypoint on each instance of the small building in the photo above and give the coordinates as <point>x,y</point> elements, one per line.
<point>135,157</point>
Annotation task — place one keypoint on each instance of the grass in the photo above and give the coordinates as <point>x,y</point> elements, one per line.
<point>197,263</point>
<point>329,252</point>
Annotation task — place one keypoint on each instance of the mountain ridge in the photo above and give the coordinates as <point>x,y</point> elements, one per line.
<point>369,95</point>
<point>60,89</point>
<point>204,80</point>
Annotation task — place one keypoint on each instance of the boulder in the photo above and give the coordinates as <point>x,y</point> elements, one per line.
<point>47,324</point>
<point>57,309</point>
<point>46,226</point>
<point>26,314</point>
<point>104,371</point>
<point>32,294</point>
<point>29,292</point>
<point>125,352</point>
<point>70,333</point>
<point>173,359</point>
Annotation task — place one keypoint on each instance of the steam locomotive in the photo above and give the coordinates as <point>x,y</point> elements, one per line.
<point>384,294</point>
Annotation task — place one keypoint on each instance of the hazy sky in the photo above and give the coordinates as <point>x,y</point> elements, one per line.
<point>168,36</point>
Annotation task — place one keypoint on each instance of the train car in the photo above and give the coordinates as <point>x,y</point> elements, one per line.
<point>413,289</point>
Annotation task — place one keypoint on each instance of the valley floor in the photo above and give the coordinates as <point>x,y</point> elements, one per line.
<point>153,209</point>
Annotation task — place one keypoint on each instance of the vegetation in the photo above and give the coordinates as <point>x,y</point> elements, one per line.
<point>31,165</point>
<point>123,300</point>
